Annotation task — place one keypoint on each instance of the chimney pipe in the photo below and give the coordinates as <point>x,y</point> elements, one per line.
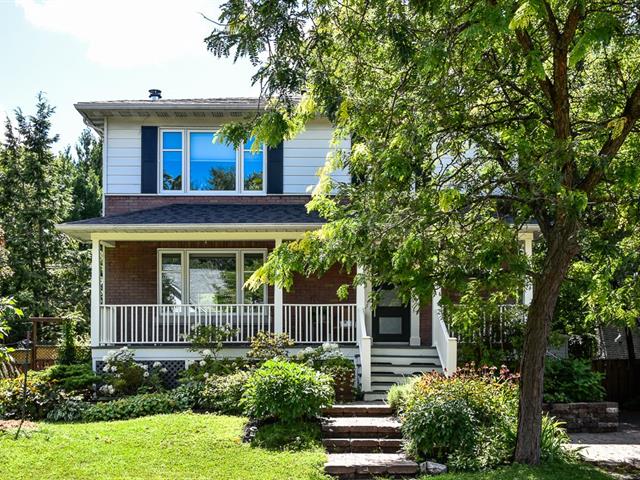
<point>155,94</point>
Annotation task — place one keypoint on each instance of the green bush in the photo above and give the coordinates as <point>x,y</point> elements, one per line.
<point>223,393</point>
<point>40,397</point>
<point>188,394</point>
<point>287,436</point>
<point>124,376</point>
<point>68,409</point>
<point>72,378</point>
<point>398,396</point>
<point>286,392</point>
<point>469,420</point>
<point>568,380</point>
<point>266,346</point>
<point>68,354</point>
<point>208,366</point>
<point>133,407</point>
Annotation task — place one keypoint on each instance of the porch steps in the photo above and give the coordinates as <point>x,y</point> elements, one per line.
<point>395,364</point>
<point>364,441</point>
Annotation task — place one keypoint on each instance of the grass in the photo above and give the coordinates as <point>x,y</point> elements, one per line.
<point>178,446</point>
<point>552,471</point>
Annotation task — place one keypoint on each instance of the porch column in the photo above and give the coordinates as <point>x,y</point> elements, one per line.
<point>527,295</point>
<point>414,340</point>
<point>95,292</point>
<point>277,300</point>
<point>363,338</point>
<point>435,314</point>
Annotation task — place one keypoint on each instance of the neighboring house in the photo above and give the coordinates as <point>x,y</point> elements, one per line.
<point>185,223</point>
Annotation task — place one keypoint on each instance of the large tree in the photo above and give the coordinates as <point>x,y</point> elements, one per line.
<point>468,119</point>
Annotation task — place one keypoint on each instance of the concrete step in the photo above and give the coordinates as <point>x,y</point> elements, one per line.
<point>404,351</point>
<point>375,396</point>
<point>366,465</point>
<point>424,363</point>
<point>362,409</point>
<point>361,427</point>
<point>405,370</point>
<point>389,378</point>
<point>363,445</point>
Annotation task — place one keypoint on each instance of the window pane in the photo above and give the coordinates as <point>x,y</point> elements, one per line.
<point>253,170</point>
<point>172,170</point>
<point>253,261</point>
<point>212,278</point>
<point>171,279</point>
<point>172,140</point>
<point>212,165</point>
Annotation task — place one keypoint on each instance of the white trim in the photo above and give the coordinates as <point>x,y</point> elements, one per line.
<point>95,292</point>
<point>414,339</point>
<point>184,267</point>
<point>278,300</point>
<point>186,165</point>
<point>105,139</point>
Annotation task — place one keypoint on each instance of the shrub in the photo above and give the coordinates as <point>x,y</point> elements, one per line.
<point>133,407</point>
<point>463,420</point>
<point>569,380</point>
<point>68,409</point>
<point>287,392</point>
<point>188,394</point>
<point>266,346</point>
<point>78,378</point>
<point>208,366</point>
<point>40,398</point>
<point>469,420</point>
<point>209,339</point>
<point>124,376</point>
<point>398,396</point>
<point>287,436</point>
<point>330,360</point>
<point>223,393</point>
<point>68,352</point>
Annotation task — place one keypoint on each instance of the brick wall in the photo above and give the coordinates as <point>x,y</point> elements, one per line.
<point>131,268</point>
<point>592,417</point>
<point>425,324</point>
<point>117,204</point>
<point>320,290</point>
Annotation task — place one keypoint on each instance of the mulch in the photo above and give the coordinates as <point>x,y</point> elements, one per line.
<point>12,425</point>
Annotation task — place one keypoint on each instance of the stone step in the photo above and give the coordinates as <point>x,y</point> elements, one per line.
<point>401,350</point>
<point>363,445</point>
<point>388,378</point>
<point>366,465</point>
<point>361,427</point>
<point>358,410</point>
<point>406,370</point>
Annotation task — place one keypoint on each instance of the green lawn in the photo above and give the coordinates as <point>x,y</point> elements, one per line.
<point>191,446</point>
<point>180,446</point>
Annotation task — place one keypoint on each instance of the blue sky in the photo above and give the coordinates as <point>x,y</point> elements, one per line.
<point>81,50</point>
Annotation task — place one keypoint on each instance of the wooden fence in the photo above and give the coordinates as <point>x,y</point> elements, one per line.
<point>621,379</point>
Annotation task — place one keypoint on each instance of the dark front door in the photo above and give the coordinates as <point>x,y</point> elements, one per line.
<point>391,319</point>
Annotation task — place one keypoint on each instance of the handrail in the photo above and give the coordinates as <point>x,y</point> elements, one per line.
<point>446,345</point>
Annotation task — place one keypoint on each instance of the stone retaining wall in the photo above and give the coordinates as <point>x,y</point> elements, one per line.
<point>585,417</point>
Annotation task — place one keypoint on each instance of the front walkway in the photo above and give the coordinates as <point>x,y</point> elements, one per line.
<point>619,450</point>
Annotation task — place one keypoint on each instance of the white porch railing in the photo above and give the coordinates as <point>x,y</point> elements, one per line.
<point>494,328</point>
<point>446,345</point>
<point>172,324</point>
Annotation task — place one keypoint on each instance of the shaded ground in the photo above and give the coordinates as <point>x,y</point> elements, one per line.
<point>619,450</point>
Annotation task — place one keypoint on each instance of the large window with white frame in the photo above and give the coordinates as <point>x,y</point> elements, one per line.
<point>194,161</point>
<point>208,277</point>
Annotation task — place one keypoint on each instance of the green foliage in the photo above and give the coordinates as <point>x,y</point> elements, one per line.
<point>568,380</point>
<point>469,420</point>
<point>267,345</point>
<point>8,310</point>
<point>68,409</point>
<point>124,376</point>
<point>208,366</point>
<point>209,339</point>
<point>74,379</point>
<point>40,397</point>
<point>189,394</point>
<point>223,393</point>
<point>287,436</point>
<point>399,395</point>
<point>287,392</point>
<point>67,352</point>
<point>86,184</point>
<point>133,407</point>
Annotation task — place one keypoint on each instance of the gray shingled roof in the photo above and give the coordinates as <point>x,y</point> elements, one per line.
<point>214,103</point>
<point>211,214</point>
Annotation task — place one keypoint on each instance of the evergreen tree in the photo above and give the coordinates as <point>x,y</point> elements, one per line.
<point>87,178</point>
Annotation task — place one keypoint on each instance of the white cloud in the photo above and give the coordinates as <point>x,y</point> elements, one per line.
<point>128,33</point>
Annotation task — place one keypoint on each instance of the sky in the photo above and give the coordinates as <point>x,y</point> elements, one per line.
<point>84,50</point>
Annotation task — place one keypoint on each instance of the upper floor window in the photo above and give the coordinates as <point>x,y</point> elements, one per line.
<point>193,162</point>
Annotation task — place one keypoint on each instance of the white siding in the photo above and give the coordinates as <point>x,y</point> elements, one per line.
<point>302,157</point>
<point>305,155</point>
<point>123,156</point>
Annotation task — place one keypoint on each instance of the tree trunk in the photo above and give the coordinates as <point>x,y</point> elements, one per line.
<point>562,248</point>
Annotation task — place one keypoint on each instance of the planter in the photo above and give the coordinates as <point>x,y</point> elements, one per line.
<point>344,387</point>
<point>585,417</point>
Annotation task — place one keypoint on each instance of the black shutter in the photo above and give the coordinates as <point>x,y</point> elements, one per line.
<point>274,169</point>
<point>149,151</point>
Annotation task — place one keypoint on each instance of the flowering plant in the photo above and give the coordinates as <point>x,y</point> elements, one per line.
<point>125,376</point>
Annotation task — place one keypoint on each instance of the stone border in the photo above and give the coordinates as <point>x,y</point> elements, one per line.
<point>585,417</point>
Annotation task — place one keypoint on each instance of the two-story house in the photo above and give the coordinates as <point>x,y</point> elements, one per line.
<point>187,220</point>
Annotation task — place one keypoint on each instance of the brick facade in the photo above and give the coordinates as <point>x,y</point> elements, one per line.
<point>118,204</point>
